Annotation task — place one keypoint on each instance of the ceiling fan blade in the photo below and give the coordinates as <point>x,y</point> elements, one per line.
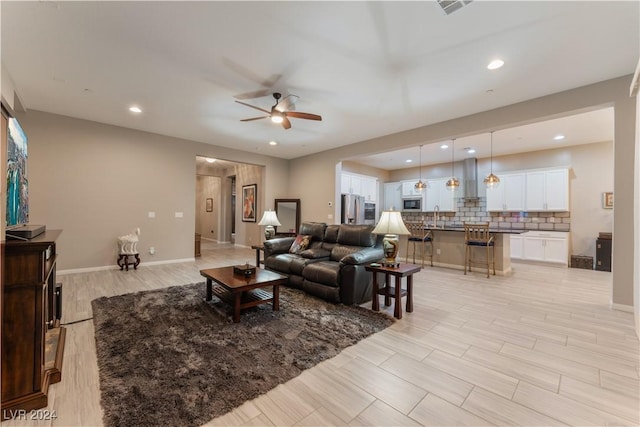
<point>253,106</point>
<point>254,118</point>
<point>286,123</point>
<point>299,115</point>
<point>254,94</point>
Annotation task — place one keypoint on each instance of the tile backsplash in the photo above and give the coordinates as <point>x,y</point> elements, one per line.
<point>476,211</point>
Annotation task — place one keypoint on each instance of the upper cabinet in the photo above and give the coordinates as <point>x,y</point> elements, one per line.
<point>361,185</point>
<point>534,191</point>
<point>392,196</point>
<point>509,195</point>
<point>409,189</point>
<point>437,194</point>
<point>547,190</point>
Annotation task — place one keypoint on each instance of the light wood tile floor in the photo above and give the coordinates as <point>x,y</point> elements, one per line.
<point>540,347</point>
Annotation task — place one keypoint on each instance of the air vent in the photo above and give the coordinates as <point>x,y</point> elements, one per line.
<point>450,6</point>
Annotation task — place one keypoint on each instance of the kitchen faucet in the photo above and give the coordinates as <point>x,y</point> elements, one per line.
<point>436,211</point>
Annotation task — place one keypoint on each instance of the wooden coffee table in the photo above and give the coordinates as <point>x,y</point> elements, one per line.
<point>241,291</point>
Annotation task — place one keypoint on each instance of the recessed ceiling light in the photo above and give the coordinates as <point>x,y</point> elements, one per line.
<point>444,146</point>
<point>495,64</point>
<point>273,143</point>
<point>408,161</point>
<point>558,137</point>
<point>135,109</point>
<point>210,160</point>
<point>470,150</point>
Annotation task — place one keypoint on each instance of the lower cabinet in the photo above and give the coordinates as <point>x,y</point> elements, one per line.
<point>546,246</point>
<point>516,246</point>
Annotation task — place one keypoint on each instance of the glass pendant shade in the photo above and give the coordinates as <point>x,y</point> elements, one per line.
<point>491,181</point>
<point>453,183</point>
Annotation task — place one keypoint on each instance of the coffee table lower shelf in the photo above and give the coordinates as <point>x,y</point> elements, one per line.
<point>248,299</point>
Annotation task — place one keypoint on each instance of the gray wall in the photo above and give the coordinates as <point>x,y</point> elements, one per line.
<point>97,182</point>
<point>322,167</point>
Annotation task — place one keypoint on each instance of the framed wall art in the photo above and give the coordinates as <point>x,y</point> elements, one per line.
<point>607,200</point>
<point>249,197</point>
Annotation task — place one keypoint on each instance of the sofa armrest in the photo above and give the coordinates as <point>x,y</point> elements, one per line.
<point>315,253</point>
<point>277,246</point>
<point>363,256</point>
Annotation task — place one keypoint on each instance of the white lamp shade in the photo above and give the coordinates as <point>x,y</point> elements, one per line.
<point>391,223</point>
<point>269,218</point>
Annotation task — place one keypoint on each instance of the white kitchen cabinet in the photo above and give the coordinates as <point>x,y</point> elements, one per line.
<point>409,189</point>
<point>369,188</point>
<point>547,190</point>
<point>392,196</point>
<point>509,195</point>
<point>438,194</point>
<point>546,246</point>
<point>355,184</point>
<point>516,246</point>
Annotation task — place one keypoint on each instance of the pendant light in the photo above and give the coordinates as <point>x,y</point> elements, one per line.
<point>420,185</point>
<point>491,181</point>
<point>453,183</point>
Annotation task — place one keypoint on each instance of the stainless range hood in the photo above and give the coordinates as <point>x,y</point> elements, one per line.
<point>470,179</point>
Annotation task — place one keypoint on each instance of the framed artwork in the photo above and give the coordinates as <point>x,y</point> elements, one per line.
<point>607,200</point>
<point>249,197</point>
<point>209,205</point>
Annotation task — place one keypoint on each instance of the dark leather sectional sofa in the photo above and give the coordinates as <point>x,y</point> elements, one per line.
<point>333,265</point>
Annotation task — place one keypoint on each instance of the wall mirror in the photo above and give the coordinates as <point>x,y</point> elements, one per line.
<point>288,212</point>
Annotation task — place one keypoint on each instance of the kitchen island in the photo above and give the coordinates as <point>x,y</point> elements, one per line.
<point>449,249</point>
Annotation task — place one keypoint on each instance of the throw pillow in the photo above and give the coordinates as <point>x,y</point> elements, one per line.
<point>300,244</point>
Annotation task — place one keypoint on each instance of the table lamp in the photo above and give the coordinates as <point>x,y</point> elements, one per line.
<point>269,218</point>
<point>391,225</point>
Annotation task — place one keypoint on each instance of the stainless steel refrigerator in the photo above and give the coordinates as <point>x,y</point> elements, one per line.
<point>352,209</point>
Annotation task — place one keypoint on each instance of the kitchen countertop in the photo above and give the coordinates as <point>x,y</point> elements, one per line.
<point>491,230</point>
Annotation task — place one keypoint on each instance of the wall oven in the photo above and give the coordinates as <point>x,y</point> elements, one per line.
<point>369,213</point>
<point>411,204</point>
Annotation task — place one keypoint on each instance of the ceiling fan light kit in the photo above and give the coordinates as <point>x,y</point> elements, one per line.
<point>279,114</point>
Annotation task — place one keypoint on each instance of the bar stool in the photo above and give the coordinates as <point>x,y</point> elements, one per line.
<point>419,237</point>
<point>477,235</point>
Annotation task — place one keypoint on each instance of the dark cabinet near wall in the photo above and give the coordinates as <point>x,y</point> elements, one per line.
<point>603,254</point>
<point>32,338</point>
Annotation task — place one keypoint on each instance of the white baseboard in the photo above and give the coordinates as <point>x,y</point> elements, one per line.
<point>115,267</point>
<point>622,307</point>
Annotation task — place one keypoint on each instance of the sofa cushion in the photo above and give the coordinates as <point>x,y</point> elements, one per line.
<point>356,235</point>
<point>280,262</point>
<point>300,244</point>
<point>324,272</point>
<point>315,253</point>
<point>340,251</point>
<point>314,229</point>
<point>331,236</point>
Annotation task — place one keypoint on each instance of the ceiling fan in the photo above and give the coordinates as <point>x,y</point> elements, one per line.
<point>280,113</point>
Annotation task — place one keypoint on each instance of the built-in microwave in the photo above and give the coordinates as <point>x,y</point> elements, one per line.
<point>411,204</point>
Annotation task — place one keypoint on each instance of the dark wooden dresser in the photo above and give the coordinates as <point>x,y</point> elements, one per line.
<point>32,338</point>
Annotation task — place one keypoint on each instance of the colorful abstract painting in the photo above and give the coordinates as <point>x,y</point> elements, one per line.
<point>17,183</point>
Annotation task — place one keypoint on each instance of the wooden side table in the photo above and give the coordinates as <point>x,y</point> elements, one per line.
<point>258,248</point>
<point>403,270</point>
<point>125,261</point>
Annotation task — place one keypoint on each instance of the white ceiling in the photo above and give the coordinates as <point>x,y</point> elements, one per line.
<point>369,68</point>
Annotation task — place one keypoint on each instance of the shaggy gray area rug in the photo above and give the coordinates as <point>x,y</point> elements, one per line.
<point>167,357</point>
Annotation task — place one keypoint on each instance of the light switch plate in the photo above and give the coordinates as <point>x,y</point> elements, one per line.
<point>152,215</point>
<point>179,214</point>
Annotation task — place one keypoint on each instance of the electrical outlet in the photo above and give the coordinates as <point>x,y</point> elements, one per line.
<point>438,251</point>
<point>152,250</point>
